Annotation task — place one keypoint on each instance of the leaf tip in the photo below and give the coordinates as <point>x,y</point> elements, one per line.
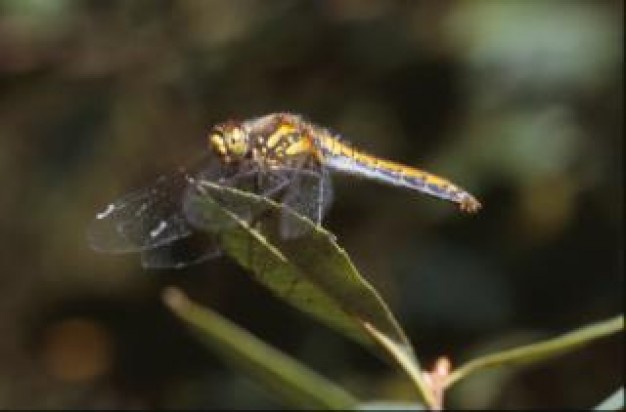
<point>174,298</point>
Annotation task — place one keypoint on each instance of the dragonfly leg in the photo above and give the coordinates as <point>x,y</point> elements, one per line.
<point>229,180</point>
<point>274,190</point>
<point>323,189</point>
<point>320,189</point>
<point>254,222</point>
<point>320,197</point>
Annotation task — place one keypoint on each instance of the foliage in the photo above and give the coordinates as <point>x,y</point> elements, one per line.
<point>315,275</point>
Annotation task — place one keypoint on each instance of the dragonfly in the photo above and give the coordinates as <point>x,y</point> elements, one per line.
<point>279,156</point>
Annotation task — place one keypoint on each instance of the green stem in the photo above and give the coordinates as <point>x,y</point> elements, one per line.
<point>541,350</point>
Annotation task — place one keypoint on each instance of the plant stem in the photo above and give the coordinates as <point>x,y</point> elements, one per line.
<point>541,350</point>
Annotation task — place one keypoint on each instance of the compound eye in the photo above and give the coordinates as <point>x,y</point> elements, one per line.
<point>237,142</point>
<point>217,143</point>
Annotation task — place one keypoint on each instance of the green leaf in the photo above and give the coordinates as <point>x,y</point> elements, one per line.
<point>539,351</point>
<point>613,402</point>
<point>310,272</point>
<point>290,380</point>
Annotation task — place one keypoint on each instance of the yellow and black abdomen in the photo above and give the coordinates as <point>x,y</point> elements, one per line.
<point>342,158</point>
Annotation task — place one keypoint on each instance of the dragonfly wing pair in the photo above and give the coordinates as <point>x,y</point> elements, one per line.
<point>305,191</point>
<point>163,223</point>
<point>151,221</point>
<point>145,219</point>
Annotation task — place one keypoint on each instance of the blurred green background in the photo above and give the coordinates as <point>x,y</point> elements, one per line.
<point>519,102</point>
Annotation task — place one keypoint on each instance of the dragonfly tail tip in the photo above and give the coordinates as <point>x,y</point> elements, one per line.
<point>470,205</point>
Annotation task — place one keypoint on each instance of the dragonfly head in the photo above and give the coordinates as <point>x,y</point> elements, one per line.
<point>229,141</point>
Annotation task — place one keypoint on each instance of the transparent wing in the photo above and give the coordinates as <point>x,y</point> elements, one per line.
<point>306,190</point>
<point>245,178</point>
<point>309,194</point>
<point>193,249</point>
<point>144,219</point>
<point>162,221</point>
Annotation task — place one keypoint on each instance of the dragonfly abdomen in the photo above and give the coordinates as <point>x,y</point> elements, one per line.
<point>343,158</point>
<point>439,187</point>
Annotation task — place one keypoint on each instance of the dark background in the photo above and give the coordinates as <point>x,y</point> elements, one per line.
<point>520,102</point>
